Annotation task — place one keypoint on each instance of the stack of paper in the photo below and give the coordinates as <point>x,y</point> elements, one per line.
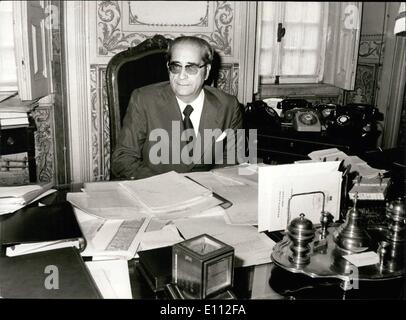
<point>166,192</point>
<point>286,191</point>
<point>15,198</point>
<point>171,195</point>
<point>357,164</point>
<point>13,120</point>
<point>369,189</point>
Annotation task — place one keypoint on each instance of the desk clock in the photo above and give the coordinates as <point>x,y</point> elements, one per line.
<point>202,266</point>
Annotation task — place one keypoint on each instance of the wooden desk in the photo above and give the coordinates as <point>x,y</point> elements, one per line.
<point>267,281</point>
<point>286,145</point>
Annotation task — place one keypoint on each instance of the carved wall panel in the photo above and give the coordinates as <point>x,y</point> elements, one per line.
<point>99,124</point>
<point>44,142</point>
<point>370,57</point>
<point>370,48</point>
<point>121,24</point>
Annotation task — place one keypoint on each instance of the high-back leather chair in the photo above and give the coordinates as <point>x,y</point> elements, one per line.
<point>133,68</point>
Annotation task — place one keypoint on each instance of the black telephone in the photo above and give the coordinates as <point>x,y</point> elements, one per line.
<point>259,115</point>
<point>355,118</point>
<point>289,107</point>
<point>306,120</point>
<point>299,114</point>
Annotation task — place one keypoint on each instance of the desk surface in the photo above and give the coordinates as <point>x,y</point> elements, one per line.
<point>266,281</point>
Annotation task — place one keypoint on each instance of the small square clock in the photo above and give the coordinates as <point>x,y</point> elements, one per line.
<point>202,266</point>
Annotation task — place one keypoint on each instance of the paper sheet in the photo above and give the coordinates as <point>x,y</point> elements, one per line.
<point>363,259</point>
<point>277,185</point>
<point>357,164</point>
<point>167,236</point>
<point>166,192</point>
<point>118,206</point>
<point>112,278</point>
<point>239,190</point>
<point>26,248</point>
<point>111,237</point>
<point>251,247</point>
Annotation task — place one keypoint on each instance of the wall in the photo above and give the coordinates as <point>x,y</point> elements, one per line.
<point>370,55</point>
<point>50,143</point>
<point>116,25</point>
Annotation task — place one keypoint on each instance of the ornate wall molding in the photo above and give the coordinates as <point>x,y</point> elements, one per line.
<point>371,48</point>
<point>114,34</point>
<point>44,143</point>
<point>228,78</point>
<point>365,85</point>
<point>138,15</point>
<point>100,130</point>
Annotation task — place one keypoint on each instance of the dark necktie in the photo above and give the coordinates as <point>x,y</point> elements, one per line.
<point>187,123</point>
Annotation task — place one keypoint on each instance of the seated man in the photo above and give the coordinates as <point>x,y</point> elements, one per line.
<point>179,125</point>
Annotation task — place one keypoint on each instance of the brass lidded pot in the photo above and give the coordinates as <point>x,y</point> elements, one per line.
<point>300,232</point>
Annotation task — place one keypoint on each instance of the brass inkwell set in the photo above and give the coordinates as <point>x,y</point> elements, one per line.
<point>319,252</point>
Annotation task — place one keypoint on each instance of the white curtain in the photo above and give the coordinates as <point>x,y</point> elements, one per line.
<point>298,55</point>
<point>8,70</point>
<point>400,22</point>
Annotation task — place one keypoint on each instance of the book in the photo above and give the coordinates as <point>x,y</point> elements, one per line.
<point>54,274</point>
<point>285,191</point>
<point>369,188</point>
<point>8,122</point>
<point>156,267</point>
<point>34,229</point>
<point>13,198</point>
<point>12,115</point>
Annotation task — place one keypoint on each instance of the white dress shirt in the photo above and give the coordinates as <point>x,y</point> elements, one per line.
<point>197,106</point>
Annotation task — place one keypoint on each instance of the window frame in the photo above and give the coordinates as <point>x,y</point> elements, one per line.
<point>332,83</point>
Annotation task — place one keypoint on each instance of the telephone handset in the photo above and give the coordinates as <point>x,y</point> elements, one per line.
<point>289,108</point>
<point>262,115</point>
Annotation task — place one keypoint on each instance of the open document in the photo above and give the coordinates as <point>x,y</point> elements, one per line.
<point>286,191</point>
<point>111,238</point>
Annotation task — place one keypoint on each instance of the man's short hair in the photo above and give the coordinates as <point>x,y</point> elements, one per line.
<point>205,47</point>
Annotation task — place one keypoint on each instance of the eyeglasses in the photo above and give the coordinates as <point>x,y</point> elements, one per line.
<point>190,69</point>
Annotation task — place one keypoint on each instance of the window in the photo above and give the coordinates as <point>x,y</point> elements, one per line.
<point>308,42</point>
<point>25,49</point>
<point>8,70</point>
<point>297,57</point>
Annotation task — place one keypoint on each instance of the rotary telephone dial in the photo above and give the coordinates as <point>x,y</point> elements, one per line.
<point>358,119</point>
<point>299,114</point>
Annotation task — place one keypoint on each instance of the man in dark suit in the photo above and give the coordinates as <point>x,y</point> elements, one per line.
<point>181,125</point>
